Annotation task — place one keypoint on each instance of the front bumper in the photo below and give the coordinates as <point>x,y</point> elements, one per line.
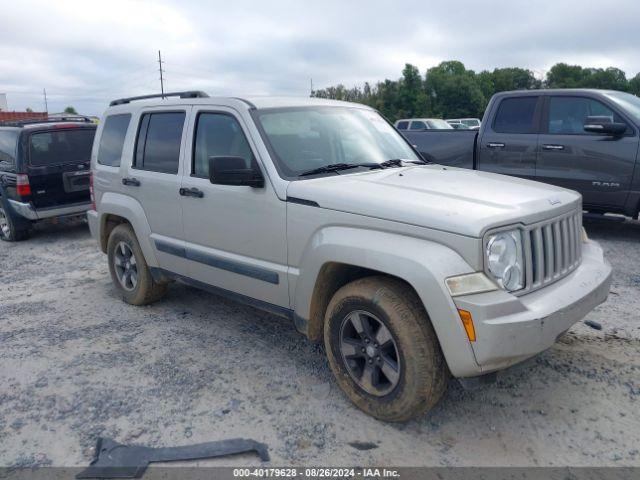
<point>511,329</point>
<point>28,211</point>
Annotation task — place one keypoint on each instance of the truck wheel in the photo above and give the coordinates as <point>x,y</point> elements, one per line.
<point>383,350</point>
<point>129,270</point>
<point>11,229</point>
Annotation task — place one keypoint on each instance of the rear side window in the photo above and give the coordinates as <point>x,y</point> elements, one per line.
<point>402,125</point>
<point>516,115</point>
<point>57,147</point>
<point>158,143</point>
<point>8,147</point>
<point>218,135</point>
<point>112,139</point>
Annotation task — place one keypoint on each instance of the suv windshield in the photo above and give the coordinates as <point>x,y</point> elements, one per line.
<point>61,146</point>
<point>307,138</point>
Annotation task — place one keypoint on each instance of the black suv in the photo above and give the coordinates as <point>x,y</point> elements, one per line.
<point>44,172</point>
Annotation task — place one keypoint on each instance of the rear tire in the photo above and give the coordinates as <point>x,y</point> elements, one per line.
<point>391,366</point>
<point>129,270</point>
<point>12,229</point>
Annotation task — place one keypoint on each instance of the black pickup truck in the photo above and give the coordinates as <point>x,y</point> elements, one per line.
<point>585,140</point>
<point>44,172</point>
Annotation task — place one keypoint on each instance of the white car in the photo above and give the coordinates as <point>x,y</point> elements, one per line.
<point>422,124</point>
<point>472,123</point>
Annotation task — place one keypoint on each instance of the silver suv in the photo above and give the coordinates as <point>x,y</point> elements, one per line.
<point>321,211</point>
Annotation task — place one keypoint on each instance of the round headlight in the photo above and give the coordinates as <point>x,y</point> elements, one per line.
<point>504,259</point>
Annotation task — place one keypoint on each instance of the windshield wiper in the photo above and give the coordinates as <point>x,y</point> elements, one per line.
<point>334,167</point>
<point>398,162</point>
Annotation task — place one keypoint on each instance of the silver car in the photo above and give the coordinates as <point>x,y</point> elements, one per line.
<point>320,211</point>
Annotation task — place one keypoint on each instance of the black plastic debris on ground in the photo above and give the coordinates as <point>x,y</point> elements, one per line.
<point>363,446</point>
<point>115,460</point>
<point>592,324</point>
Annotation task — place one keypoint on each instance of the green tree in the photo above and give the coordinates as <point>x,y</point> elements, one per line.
<point>454,91</point>
<point>610,78</point>
<point>562,75</point>
<point>484,79</point>
<point>505,79</point>
<point>412,98</point>
<point>70,110</point>
<point>634,85</point>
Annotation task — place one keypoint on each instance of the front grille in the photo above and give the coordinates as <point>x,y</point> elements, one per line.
<point>553,249</point>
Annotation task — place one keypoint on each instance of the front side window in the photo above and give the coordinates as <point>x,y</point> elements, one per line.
<point>402,125</point>
<point>567,115</point>
<point>516,115</point>
<point>158,143</point>
<point>112,139</point>
<point>218,135</point>
<point>418,125</point>
<point>306,138</point>
<point>62,146</point>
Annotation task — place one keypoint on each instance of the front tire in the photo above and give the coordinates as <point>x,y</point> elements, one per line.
<point>383,350</point>
<point>129,270</point>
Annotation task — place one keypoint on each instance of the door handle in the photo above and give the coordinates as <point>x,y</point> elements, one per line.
<point>495,145</point>
<point>131,182</point>
<point>553,147</point>
<point>191,192</point>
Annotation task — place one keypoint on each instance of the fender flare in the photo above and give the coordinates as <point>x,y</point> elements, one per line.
<point>112,203</point>
<point>423,264</point>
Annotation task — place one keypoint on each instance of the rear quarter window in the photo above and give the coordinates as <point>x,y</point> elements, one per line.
<point>112,139</point>
<point>516,115</point>
<point>57,147</point>
<point>402,125</point>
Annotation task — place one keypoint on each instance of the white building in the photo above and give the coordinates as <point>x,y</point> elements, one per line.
<point>3,102</point>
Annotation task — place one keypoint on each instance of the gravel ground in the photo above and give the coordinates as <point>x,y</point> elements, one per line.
<point>77,363</point>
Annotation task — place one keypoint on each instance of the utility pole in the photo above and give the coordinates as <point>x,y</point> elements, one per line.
<point>311,94</point>
<point>46,106</point>
<point>161,79</point>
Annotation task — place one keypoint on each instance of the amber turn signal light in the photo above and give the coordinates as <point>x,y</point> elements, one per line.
<point>467,322</point>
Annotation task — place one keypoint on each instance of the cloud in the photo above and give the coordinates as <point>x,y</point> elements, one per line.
<point>87,53</point>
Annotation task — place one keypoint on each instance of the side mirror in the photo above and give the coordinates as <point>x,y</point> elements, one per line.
<point>234,171</point>
<point>604,125</point>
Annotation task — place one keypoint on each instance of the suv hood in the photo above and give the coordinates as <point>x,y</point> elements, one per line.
<point>451,199</point>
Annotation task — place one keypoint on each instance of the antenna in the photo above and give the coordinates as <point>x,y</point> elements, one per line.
<point>161,79</point>
<point>46,106</point>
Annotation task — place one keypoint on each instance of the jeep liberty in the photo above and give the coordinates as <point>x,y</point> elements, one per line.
<point>320,211</point>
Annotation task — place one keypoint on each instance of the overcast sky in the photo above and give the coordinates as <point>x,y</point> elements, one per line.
<point>86,53</point>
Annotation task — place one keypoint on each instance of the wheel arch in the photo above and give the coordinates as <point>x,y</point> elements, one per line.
<point>116,209</point>
<point>340,255</point>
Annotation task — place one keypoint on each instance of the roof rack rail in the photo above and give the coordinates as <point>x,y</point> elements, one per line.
<point>187,94</point>
<point>31,121</point>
